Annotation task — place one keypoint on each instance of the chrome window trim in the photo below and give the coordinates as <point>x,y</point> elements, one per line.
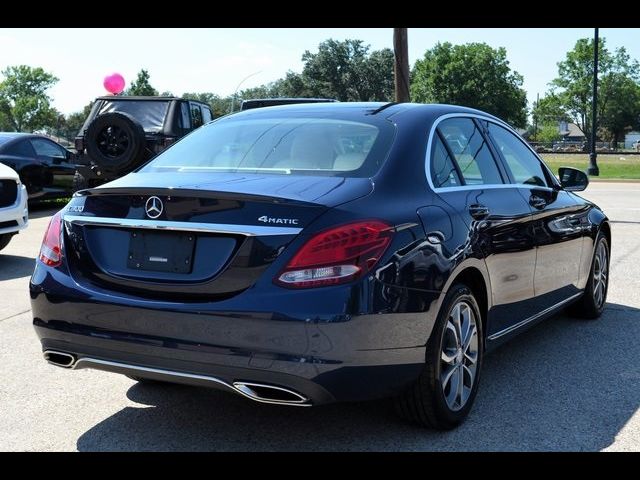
<point>479,186</point>
<point>224,228</point>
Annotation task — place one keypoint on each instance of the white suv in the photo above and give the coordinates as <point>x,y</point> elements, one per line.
<point>14,214</point>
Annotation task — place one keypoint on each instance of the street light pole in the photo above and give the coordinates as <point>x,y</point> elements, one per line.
<point>233,97</point>
<point>593,161</point>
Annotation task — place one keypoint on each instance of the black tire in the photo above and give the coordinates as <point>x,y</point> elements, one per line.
<point>5,238</point>
<point>425,401</point>
<point>115,142</point>
<point>591,305</point>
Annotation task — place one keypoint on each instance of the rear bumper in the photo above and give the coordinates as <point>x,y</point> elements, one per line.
<point>324,354</point>
<point>17,214</point>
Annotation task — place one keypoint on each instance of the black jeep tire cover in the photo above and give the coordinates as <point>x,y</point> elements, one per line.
<point>129,135</point>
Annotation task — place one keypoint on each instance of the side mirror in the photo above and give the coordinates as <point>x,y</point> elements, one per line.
<point>572,179</point>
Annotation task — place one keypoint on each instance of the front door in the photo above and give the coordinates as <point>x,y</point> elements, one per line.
<point>557,219</point>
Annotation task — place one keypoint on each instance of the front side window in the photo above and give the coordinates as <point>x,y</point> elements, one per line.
<point>48,149</point>
<point>467,145</point>
<point>523,164</point>
<point>282,145</point>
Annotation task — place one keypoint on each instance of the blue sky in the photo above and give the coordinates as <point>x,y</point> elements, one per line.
<point>216,60</point>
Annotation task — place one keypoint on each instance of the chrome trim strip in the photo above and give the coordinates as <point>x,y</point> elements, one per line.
<point>227,228</point>
<point>87,362</point>
<point>532,318</point>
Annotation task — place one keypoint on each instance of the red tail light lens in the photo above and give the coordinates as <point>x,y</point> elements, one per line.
<point>337,255</point>
<point>51,250</point>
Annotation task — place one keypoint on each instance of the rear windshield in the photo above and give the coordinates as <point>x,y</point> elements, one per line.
<point>150,114</point>
<point>302,145</point>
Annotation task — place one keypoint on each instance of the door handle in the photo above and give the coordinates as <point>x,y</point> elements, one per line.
<point>537,202</point>
<point>478,212</point>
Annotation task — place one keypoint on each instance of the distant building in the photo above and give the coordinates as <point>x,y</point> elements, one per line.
<point>630,139</point>
<point>571,132</point>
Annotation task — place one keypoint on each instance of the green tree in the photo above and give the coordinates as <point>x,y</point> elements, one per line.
<point>74,122</point>
<point>574,86</point>
<point>141,85</point>
<point>621,111</point>
<point>548,132</point>
<point>24,103</point>
<point>347,71</point>
<point>549,109</point>
<point>474,75</point>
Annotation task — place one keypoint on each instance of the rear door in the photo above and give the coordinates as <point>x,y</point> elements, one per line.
<point>558,218</point>
<point>467,177</point>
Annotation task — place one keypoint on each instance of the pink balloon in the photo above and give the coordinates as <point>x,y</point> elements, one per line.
<point>114,83</point>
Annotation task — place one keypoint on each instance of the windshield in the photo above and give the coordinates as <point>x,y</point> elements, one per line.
<point>150,113</point>
<point>282,145</point>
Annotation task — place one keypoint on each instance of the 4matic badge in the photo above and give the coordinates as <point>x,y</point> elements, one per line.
<point>281,221</point>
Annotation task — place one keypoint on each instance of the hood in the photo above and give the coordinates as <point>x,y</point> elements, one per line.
<point>7,173</point>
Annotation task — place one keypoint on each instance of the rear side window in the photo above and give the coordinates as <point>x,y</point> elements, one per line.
<point>185,117</point>
<point>443,169</point>
<point>196,115</point>
<point>524,165</point>
<point>21,149</point>
<point>206,115</point>
<point>467,145</point>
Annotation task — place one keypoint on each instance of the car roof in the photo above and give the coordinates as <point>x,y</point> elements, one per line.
<point>388,109</point>
<point>16,134</point>
<point>11,137</point>
<point>147,98</point>
<point>137,97</point>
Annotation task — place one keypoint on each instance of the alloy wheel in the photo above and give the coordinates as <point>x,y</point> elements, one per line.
<point>459,356</point>
<point>600,275</point>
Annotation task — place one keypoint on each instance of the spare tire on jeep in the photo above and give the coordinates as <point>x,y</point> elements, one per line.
<point>115,141</point>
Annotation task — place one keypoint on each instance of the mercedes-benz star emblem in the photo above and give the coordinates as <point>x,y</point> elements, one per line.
<point>153,207</point>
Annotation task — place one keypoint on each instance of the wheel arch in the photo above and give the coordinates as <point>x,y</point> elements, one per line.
<point>474,275</point>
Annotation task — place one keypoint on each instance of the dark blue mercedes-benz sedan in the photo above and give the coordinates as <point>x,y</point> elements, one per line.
<point>306,254</point>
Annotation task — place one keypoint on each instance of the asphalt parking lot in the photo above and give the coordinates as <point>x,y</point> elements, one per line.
<point>565,385</point>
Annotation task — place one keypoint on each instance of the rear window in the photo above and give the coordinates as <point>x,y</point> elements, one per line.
<point>150,113</point>
<point>300,145</point>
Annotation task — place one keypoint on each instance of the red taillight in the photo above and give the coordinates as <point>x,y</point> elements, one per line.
<point>337,255</point>
<point>51,250</point>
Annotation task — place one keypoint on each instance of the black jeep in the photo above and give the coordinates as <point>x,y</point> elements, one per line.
<point>122,132</point>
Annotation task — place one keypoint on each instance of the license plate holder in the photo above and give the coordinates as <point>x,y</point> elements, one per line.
<point>170,252</point>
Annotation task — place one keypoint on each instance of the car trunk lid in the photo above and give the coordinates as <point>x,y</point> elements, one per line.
<point>193,237</point>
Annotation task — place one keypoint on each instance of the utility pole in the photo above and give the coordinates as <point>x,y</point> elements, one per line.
<point>401,64</point>
<point>535,119</point>
<point>593,161</point>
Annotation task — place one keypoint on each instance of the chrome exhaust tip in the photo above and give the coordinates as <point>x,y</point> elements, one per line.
<point>59,359</point>
<point>270,394</point>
